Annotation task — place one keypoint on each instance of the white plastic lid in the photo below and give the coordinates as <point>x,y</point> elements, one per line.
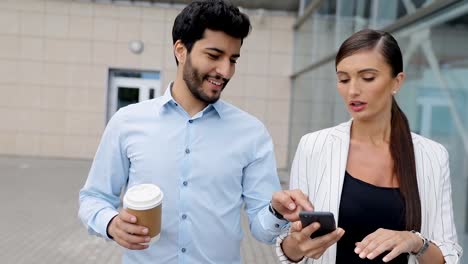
<point>143,196</point>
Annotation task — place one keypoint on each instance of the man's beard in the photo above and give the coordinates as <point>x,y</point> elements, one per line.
<point>194,80</point>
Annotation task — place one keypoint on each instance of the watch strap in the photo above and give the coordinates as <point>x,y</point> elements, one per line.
<point>274,212</point>
<point>424,247</point>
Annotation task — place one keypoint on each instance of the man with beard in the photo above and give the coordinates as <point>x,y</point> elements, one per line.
<point>208,157</point>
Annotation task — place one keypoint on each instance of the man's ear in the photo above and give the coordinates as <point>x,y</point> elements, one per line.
<point>180,51</point>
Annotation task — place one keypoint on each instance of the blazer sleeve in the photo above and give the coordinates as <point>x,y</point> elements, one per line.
<point>298,180</point>
<point>444,232</point>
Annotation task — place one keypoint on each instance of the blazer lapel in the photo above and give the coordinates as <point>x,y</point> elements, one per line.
<point>338,159</point>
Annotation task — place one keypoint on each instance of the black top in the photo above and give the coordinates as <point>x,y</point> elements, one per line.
<point>364,208</point>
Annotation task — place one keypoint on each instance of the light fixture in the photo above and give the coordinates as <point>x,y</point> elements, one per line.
<point>136,46</point>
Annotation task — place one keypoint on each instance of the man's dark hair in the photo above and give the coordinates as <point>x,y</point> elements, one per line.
<point>217,15</point>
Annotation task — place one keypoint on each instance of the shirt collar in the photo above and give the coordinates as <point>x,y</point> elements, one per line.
<point>167,98</point>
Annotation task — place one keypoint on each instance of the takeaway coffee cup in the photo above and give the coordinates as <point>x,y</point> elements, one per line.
<point>144,201</point>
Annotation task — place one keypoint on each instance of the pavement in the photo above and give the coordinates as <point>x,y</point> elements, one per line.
<point>39,222</point>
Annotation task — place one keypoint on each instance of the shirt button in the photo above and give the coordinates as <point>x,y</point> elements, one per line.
<point>185,183</point>
<point>184,216</point>
<point>190,121</point>
<point>187,151</point>
<point>277,225</point>
<point>183,250</point>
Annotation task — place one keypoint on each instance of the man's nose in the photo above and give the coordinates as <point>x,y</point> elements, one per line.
<point>225,68</point>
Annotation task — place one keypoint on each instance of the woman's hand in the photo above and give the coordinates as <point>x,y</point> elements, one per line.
<point>397,242</point>
<point>298,243</point>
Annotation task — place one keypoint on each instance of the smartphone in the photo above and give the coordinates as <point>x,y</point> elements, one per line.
<point>325,219</point>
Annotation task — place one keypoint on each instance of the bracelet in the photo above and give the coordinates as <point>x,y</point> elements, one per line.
<point>274,212</point>
<point>424,247</point>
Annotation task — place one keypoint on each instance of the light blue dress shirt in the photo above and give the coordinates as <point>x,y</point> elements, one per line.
<point>208,167</point>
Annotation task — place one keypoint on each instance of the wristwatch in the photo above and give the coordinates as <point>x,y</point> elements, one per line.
<point>274,212</point>
<point>424,246</point>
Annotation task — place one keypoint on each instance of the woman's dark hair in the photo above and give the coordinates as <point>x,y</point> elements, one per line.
<point>401,143</point>
<point>218,15</point>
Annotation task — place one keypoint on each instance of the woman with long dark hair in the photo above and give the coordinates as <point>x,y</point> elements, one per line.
<point>388,188</point>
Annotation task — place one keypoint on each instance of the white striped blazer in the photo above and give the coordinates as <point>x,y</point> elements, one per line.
<point>319,167</point>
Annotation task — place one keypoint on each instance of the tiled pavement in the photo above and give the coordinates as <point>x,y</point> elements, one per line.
<point>39,223</point>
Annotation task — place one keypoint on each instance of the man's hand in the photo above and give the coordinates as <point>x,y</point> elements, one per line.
<point>126,233</point>
<point>290,202</point>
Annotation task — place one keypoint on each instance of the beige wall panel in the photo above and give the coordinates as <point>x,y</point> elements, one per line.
<point>53,98</point>
<point>97,100</point>
<point>52,145</point>
<point>128,30</point>
<point>255,86</point>
<point>278,112</point>
<point>79,76</point>
<point>105,11</point>
<point>56,26</point>
<point>31,72</point>
<point>98,77</point>
<point>257,63</point>
<point>105,28</point>
<point>81,9</point>
<point>9,120</point>
<point>104,52</point>
<point>81,27</point>
<point>28,96</point>
<point>28,120</point>
<point>76,99</point>
<point>57,50</point>
<point>57,75</point>
<point>52,122</point>
<point>58,7</point>
<point>282,42</point>
<point>8,96</point>
<point>125,58</point>
<point>32,48</point>
<point>10,18</point>
<point>257,40</point>
<point>8,142</point>
<point>32,24</point>
<point>278,87</point>
<point>153,57</point>
<point>256,107</point>
<point>235,87</point>
<point>80,52</point>
<point>280,64</point>
<point>28,144</point>
<point>77,123</point>
<point>281,154</point>
<point>30,5</point>
<point>75,146</point>
<point>154,32</point>
<point>283,23</point>
<point>157,14</point>
<point>10,47</point>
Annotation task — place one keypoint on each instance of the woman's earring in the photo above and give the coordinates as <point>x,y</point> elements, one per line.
<point>394,92</point>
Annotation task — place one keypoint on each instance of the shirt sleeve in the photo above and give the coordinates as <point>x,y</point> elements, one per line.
<point>100,196</point>
<point>445,236</point>
<point>259,181</point>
